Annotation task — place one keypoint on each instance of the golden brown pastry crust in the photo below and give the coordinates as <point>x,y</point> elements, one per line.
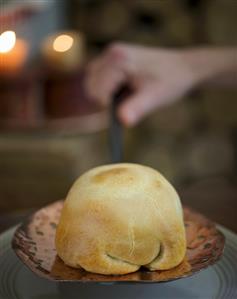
<point>119,217</point>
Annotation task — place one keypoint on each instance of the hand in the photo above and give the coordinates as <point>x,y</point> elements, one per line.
<point>157,77</point>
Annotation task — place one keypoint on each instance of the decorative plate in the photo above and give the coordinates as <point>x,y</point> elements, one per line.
<point>33,242</point>
<point>218,281</point>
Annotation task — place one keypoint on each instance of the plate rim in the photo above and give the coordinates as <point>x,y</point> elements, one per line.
<point>28,220</point>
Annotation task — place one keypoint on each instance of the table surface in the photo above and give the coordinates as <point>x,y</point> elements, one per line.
<point>216,198</point>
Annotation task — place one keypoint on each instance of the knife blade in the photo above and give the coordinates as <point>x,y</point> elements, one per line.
<point>116,129</point>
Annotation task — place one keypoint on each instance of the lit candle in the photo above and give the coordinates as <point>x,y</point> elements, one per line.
<point>13,53</point>
<point>64,51</point>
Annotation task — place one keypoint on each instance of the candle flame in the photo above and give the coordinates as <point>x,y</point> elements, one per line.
<point>63,43</point>
<point>7,41</point>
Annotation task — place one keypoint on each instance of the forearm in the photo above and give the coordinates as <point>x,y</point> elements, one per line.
<point>214,66</point>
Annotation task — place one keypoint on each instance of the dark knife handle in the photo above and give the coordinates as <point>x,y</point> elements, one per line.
<point>116,128</point>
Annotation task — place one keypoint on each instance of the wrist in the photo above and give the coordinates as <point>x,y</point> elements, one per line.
<point>209,63</point>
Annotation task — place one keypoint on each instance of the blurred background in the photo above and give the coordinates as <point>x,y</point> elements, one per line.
<point>51,132</point>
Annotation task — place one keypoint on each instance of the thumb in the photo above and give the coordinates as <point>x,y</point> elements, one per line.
<point>137,106</point>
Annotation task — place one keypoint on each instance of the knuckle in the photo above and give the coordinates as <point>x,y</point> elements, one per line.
<point>115,47</point>
<point>116,51</point>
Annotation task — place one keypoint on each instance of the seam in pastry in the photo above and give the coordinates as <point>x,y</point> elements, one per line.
<point>132,240</point>
<point>120,260</point>
<point>157,258</point>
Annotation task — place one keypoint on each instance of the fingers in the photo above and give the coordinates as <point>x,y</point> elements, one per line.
<point>142,103</point>
<point>106,73</point>
<point>135,107</point>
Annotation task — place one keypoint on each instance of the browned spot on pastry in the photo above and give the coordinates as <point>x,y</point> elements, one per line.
<point>104,175</point>
<point>158,183</point>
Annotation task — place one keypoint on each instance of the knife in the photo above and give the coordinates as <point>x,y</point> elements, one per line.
<point>116,128</point>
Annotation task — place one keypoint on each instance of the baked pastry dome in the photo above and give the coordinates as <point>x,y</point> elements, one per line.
<point>117,218</point>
